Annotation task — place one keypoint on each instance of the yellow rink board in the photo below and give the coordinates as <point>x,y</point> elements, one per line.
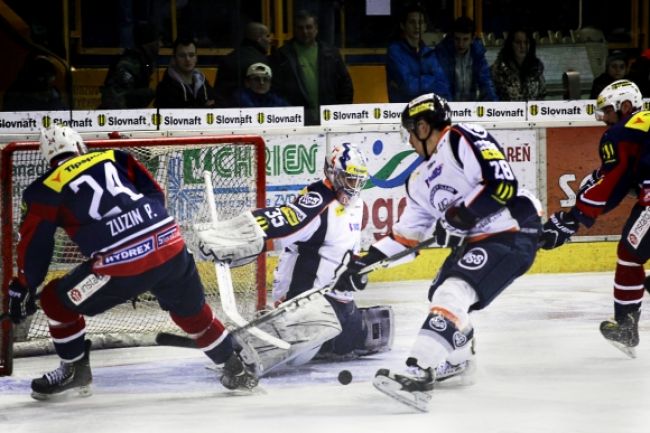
<point>572,257</point>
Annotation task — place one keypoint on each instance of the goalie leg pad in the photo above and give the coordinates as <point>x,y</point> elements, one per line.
<point>306,328</point>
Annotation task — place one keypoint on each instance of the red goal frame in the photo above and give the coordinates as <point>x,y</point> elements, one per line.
<point>7,222</point>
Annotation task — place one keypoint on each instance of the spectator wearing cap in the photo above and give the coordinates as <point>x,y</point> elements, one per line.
<point>127,82</point>
<point>184,86</point>
<point>257,89</point>
<point>615,69</point>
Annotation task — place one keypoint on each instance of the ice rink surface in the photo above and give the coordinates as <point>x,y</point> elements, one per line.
<point>542,368</point>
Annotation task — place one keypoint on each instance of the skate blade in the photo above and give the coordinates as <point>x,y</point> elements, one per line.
<point>629,351</point>
<point>243,392</point>
<point>416,400</point>
<point>82,391</point>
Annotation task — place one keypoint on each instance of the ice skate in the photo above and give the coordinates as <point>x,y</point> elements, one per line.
<point>236,376</point>
<point>465,372</point>
<point>623,334</point>
<point>413,388</point>
<point>70,376</point>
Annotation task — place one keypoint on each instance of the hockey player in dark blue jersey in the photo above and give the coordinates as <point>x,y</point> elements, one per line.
<point>114,211</point>
<point>314,232</point>
<point>625,166</point>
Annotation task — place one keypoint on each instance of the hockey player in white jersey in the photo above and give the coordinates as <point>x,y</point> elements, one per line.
<point>465,191</point>
<point>315,233</point>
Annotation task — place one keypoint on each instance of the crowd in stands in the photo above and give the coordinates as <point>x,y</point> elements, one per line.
<point>307,71</point>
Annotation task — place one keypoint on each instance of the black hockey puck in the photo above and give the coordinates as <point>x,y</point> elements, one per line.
<point>345,377</point>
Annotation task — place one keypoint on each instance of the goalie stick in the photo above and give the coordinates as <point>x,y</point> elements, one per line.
<point>169,339</point>
<point>224,281</point>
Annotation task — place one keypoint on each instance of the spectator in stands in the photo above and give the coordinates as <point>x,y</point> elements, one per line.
<point>257,89</point>
<point>184,86</point>
<point>412,68</point>
<point>34,89</point>
<point>517,73</point>
<point>615,69</point>
<point>127,81</point>
<point>462,57</point>
<point>232,70</point>
<point>640,72</point>
<point>313,72</point>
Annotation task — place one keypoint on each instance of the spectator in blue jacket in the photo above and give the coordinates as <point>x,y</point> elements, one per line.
<point>412,68</point>
<point>257,89</point>
<point>462,57</point>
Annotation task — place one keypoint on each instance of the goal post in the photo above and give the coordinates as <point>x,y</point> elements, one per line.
<point>237,164</point>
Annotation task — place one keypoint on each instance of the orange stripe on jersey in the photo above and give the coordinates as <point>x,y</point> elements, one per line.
<point>447,315</point>
<point>405,241</point>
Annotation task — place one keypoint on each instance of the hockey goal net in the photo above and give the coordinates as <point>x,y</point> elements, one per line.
<point>237,164</point>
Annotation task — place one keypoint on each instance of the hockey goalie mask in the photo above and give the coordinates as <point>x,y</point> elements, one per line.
<point>57,140</point>
<point>346,169</point>
<point>615,94</point>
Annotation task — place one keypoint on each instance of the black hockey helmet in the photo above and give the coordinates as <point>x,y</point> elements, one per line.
<point>430,107</point>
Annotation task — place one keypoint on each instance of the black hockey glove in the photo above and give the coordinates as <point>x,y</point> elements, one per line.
<point>350,280</point>
<point>22,302</point>
<point>589,181</point>
<point>558,230</point>
<point>451,230</point>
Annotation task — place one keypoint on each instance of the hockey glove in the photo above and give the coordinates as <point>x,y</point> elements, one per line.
<point>558,230</point>
<point>22,302</point>
<point>350,280</point>
<point>589,181</point>
<point>452,230</point>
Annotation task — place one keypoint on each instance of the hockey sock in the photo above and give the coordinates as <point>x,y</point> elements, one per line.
<point>67,328</point>
<point>208,332</point>
<point>628,283</point>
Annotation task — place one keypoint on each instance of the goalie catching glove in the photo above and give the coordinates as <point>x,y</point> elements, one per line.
<point>351,280</point>
<point>236,241</point>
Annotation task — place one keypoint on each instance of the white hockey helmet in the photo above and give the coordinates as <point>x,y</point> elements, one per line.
<point>346,168</point>
<point>57,140</point>
<point>615,94</point>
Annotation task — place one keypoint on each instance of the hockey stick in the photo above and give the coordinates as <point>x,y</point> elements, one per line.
<point>169,339</point>
<point>224,280</point>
